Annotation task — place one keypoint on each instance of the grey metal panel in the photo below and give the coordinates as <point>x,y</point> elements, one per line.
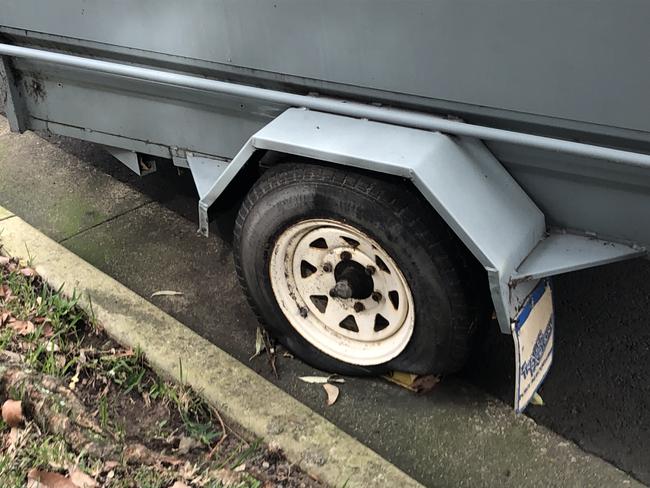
<point>127,158</point>
<point>147,112</point>
<point>343,107</point>
<point>576,59</point>
<point>561,253</point>
<point>205,171</point>
<point>100,138</point>
<point>583,194</point>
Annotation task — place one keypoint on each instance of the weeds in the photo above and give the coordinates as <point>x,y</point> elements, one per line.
<point>126,397</point>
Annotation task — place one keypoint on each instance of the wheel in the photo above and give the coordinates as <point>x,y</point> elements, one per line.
<point>353,273</point>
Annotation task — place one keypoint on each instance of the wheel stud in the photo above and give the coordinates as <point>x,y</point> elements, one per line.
<point>376,296</point>
<point>359,307</point>
<point>303,312</point>
<point>370,269</point>
<point>346,256</point>
<point>327,267</point>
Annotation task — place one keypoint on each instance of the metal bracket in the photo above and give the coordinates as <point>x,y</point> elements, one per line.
<point>133,161</point>
<point>14,106</point>
<point>205,171</point>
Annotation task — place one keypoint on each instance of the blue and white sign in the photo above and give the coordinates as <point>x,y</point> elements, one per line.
<point>532,332</point>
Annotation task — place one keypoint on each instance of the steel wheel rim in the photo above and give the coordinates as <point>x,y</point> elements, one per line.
<point>342,292</point>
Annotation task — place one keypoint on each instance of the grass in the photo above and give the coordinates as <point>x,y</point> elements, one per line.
<point>125,396</point>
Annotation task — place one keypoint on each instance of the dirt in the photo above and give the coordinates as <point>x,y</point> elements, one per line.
<point>126,398</point>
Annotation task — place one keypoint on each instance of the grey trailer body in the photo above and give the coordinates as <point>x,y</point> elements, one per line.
<point>524,124</point>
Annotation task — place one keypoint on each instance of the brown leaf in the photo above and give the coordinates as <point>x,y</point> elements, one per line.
<point>332,393</point>
<point>4,318</point>
<point>186,444</point>
<point>5,291</point>
<point>81,479</point>
<point>29,272</point>
<point>179,484</point>
<point>47,330</point>
<point>4,260</point>
<point>227,477</point>
<point>22,327</point>
<point>109,465</point>
<point>424,384</point>
<point>47,479</point>
<point>13,437</point>
<point>12,413</point>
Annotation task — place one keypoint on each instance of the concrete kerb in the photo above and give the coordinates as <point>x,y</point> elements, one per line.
<point>242,396</point>
<point>5,214</point>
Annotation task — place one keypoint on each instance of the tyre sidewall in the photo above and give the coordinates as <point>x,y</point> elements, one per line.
<point>277,210</point>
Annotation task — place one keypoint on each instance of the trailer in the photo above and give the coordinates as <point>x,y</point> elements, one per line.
<point>410,158</point>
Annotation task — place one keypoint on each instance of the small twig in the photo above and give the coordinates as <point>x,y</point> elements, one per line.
<point>270,352</point>
<point>223,436</point>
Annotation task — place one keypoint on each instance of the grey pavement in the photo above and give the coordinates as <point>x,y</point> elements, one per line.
<point>143,233</point>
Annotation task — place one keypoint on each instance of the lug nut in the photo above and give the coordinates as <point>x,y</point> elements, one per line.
<point>359,307</point>
<point>376,296</point>
<point>370,269</point>
<point>303,312</point>
<point>327,267</point>
<point>346,256</point>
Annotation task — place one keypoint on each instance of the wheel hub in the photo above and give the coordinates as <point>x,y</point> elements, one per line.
<point>342,292</point>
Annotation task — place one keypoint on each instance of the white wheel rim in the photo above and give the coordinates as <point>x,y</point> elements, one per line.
<point>370,327</point>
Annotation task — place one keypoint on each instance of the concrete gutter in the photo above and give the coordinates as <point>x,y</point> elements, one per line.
<point>242,396</point>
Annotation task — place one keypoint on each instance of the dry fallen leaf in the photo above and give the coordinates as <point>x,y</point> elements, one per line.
<point>22,327</point>
<point>46,479</point>
<point>179,484</point>
<point>81,479</point>
<point>259,343</point>
<point>186,444</point>
<point>426,383</point>
<point>14,436</point>
<point>4,317</point>
<point>413,382</point>
<point>75,379</point>
<point>4,260</point>
<point>12,413</point>
<point>29,272</point>
<point>332,393</point>
<point>319,380</point>
<point>47,330</point>
<point>227,477</point>
<point>537,400</point>
<point>166,293</point>
<point>108,465</point>
<point>5,291</point>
